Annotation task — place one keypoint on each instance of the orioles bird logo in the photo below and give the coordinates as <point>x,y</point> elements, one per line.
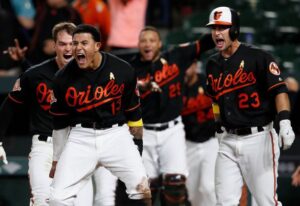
<point>163,61</point>
<point>217,15</point>
<point>242,64</point>
<point>111,76</point>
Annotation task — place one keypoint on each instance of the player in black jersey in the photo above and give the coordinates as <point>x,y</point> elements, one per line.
<point>33,90</point>
<point>160,75</point>
<point>202,146</point>
<point>93,97</point>
<point>247,85</point>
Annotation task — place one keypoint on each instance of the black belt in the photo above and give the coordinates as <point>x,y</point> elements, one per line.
<point>162,127</point>
<point>95,125</point>
<point>245,130</point>
<point>43,138</point>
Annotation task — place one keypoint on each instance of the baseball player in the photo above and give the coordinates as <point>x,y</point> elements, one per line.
<point>164,153</point>
<point>32,89</point>
<point>93,97</point>
<point>247,87</point>
<point>201,145</point>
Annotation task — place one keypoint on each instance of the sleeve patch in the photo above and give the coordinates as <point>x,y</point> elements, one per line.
<point>274,69</point>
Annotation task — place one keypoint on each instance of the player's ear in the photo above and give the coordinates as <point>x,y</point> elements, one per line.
<point>160,44</point>
<point>98,46</point>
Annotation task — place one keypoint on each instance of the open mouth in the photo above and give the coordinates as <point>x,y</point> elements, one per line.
<point>148,53</point>
<point>67,56</point>
<point>80,58</point>
<point>220,43</point>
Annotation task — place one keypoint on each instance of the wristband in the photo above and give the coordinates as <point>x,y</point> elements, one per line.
<point>285,114</point>
<point>138,123</point>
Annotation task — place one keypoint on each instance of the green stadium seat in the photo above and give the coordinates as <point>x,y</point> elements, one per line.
<point>177,36</point>
<point>197,19</point>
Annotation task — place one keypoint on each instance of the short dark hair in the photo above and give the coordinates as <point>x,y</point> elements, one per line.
<point>86,28</point>
<point>151,28</point>
<point>63,26</point>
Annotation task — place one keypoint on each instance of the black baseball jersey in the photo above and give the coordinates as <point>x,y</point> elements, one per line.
<point>244,86</point>
<point>168,72</point>
<point>33,90</point>
<point>197,114</point>
<point>107,95</point>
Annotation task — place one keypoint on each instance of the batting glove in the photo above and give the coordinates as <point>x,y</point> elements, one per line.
<point>3,154</point>
<point>286,134</point>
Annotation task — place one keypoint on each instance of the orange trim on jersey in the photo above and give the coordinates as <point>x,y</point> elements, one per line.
<point>274,170</point>
<point>232,89</point>
<point>133,108</point>
<point>14,100</point>
<point>97,104</point>
<point>58,114</point>
<point>276,85</point>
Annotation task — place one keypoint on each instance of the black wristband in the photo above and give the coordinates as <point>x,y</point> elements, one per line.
<point>285,114</point>
<point>139,144</point>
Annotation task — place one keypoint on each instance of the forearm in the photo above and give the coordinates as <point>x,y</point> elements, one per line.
<point>60,138</point>
<point>282,102</point>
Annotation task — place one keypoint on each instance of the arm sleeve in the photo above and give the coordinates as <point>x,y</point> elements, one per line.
<point>131,99</point>
<point>275,82</point>
<point>209,91</point>
<point>188,52</point>
<point>60,138</point>
<point>58,109</point>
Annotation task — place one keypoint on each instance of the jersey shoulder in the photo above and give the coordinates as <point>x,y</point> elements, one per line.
<point>254,50</point>
<point>42,68</point>
<point>112,61</point>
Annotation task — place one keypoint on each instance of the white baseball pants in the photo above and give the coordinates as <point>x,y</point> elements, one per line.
<point>40,161</point>
<point>253,158</point>
<point>165,151</point>
<point>86,149</point>
<point>201,159</point>
<point>104,186</point>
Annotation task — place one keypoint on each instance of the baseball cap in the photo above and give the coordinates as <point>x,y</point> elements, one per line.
<point>220,16</point>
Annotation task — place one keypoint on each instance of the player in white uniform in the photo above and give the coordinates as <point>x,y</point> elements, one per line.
<point>94,95</point>
<point>246,84</point>
<point>202,146</point>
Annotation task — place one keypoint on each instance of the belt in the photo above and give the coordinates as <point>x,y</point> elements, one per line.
<point>44,138</point>
<point>95,125</point>
<point>245,130</point>
<point>162,126</point>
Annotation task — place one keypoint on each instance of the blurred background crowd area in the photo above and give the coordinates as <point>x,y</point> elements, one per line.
<point>272,25</point>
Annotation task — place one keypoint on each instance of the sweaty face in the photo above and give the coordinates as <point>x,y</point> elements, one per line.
<point>63,47</point>
<point>149,45</point>
<point>85,49</point>
<point>220,35</point>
